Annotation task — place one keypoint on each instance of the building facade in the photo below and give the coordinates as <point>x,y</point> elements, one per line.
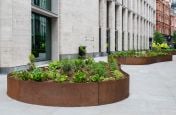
<point>54,29</point>
<point>173,22</point>
<point>173,17</point>
<point>163,17</point>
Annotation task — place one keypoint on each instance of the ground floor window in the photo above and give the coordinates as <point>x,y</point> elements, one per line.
<point>41,37</point>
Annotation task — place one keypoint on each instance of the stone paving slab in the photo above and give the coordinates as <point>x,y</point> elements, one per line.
<point>152,92</point>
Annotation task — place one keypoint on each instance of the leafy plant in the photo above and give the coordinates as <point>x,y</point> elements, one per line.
<point>67,66</point>
<point>79,77</point>
<point>89,61</point>
<point>158,38</point>
<point>38,75</point>
<point>22,75</point>
<point>31,62</point>
<point>54,65</point>
<point>61,78</point>
<point>118,75</point>
<point>79,63</point>
<point>52,74</point>
<point>95,78</point>
<point>99,68</point>
<point>77,70</point>
<point>125,53</point>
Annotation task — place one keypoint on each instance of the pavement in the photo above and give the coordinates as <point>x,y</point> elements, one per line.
<point>152,92</point>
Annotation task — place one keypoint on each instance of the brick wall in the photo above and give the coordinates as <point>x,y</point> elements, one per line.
<point>163,17</point>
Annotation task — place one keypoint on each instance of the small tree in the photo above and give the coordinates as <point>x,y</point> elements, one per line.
<point>158,38</point>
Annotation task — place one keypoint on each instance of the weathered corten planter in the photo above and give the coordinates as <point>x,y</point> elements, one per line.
<point>164,58</point>
<point>68,94</point>
<point>143,60</point>
<point>173,52</point>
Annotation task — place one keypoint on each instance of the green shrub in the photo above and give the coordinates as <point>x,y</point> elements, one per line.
<point>54,65</point>
<point>79,77</point>
<point>158,38</point>
<point>22,75</point>
<point>118,75</point>
<point>78,71</point>
<point>67,66</point>
<point>79,63</point>
<point>52,74</point>
<point>95,78</point>
<point>38,75</point>
<point>89,61</point>
<point>61,78</point>
<point>99,68</point>
<point>125,53</point>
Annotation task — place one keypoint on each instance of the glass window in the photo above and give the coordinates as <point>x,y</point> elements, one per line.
<point>45,4</point>
<point>41,37</point>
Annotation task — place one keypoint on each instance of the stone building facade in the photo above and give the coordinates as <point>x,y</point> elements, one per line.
<point>54,29</point>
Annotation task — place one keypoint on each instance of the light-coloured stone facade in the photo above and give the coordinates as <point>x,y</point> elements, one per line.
<point>128,24</point>
<point>134,21</point>
<point>15,32</point>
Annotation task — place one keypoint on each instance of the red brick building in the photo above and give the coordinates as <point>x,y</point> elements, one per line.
<point>163,18</point>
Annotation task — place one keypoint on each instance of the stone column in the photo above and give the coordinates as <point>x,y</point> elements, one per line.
<point>119,27</point>
<point>139,33</point>
<point>131,30</point>
<point>103,24</point>
<point>112,26</point>
<point>142,34</point>
<point>125,29</point>
<point>135,32</point>
<point>145,33</point>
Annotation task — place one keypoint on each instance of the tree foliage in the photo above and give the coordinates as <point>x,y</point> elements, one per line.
<point>158,38</point>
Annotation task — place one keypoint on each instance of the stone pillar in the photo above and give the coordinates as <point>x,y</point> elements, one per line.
<point>125,29</point>
<point>142,34</point>
<point>112,26</point>
<point>135,32</point>
<point>131,30</point>
<point>103,24</point>
<point>139,33</point>
<point>119,27</point>
<point>145,28</point>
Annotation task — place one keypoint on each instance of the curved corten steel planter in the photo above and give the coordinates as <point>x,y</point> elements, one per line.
<point>173,52</point>
<point>68,94</point>
<point>143,60</point>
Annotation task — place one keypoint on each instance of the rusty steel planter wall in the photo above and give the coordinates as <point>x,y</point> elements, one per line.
<point>68,94</point>
<point>173,52</point>
<point>143,60</point>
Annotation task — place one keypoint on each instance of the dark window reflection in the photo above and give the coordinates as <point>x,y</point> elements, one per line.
<point>45,4</point>
<point>41,37</point>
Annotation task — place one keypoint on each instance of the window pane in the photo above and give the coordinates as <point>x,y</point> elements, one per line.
<point>41,37</point>
<point>45,4</point>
